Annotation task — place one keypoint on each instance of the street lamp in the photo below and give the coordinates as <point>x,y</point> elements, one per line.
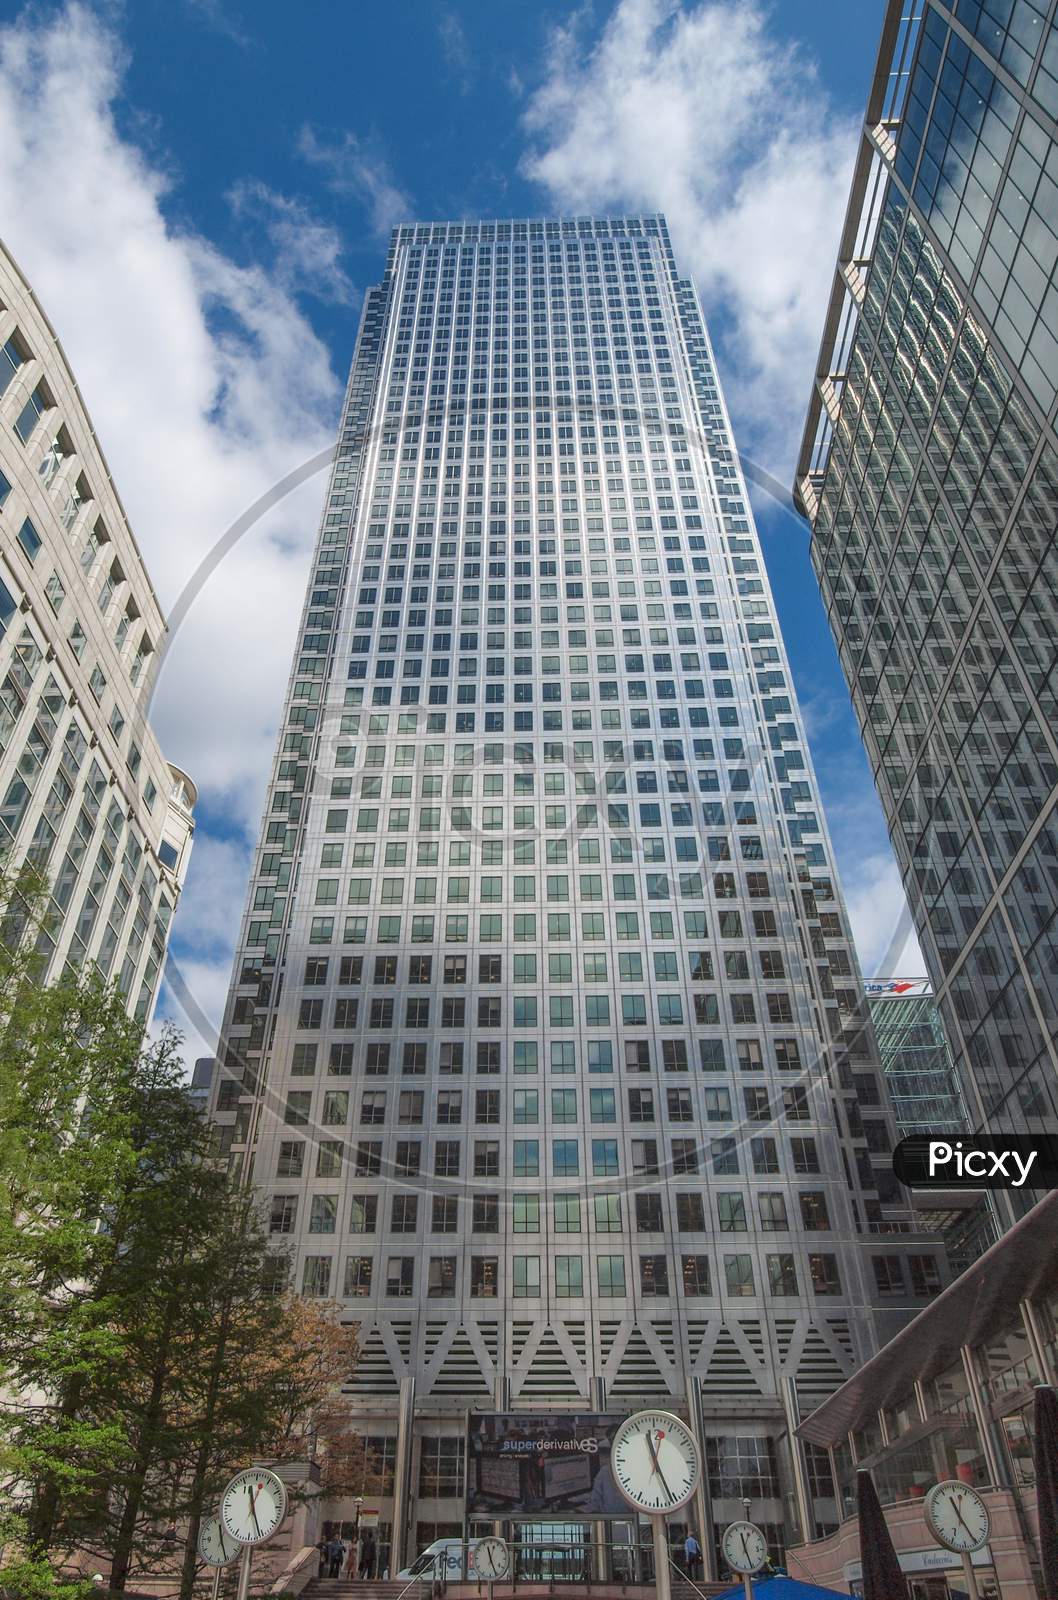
<point>355,1563</point>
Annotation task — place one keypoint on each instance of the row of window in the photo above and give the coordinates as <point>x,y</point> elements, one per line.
<point>455,1056</point>
<point>532,1213</point>
<point>569,1281</point>
<point>526,1010</point>
<point>684,1157</point>
<point>453,969</point>
<point>524,1106</point>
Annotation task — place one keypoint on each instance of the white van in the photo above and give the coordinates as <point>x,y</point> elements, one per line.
<point>443,1559</point>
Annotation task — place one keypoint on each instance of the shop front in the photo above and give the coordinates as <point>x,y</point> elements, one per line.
<point>949,1398</point>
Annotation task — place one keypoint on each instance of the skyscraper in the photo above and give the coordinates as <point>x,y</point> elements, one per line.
<point>544,1041</point>
<point>85,791</point>
<point>929,472</point>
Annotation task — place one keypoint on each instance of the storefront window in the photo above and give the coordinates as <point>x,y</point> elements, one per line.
<point>956,1439</point>
<point>906,1470</point>
<point>845,1480</point>
<point>1006,1362</point>
<point>1016,1430</point>
<point>1047,1312</point>
<point>868,1439</point>
<point>899,1418</point>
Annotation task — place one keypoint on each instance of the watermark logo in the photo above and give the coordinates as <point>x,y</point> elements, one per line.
<point>978,1161</point>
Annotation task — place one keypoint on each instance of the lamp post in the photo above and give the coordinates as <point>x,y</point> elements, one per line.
<point>747,1578</point>
<point>355,1563</point>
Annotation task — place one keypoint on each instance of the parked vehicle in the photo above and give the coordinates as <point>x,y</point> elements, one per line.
<point>443,1559</point>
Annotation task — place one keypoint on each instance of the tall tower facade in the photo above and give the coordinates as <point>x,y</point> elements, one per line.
<point>929,472</point>
<point>545,1042</point>
<point>86,794</point>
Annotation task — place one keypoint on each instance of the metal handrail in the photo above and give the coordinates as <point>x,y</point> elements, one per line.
<point>685,1577</point>
<point>304,1558</point>
<point>420,1577</point>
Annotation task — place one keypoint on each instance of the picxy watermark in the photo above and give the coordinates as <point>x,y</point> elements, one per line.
<point>978,1161</point>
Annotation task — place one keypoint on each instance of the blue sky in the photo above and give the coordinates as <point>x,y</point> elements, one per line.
<point>200,190</point>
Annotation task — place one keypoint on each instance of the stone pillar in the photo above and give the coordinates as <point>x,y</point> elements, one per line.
<point>402,1476</point>
<point>703,1501</point>
<point>792,1410</point>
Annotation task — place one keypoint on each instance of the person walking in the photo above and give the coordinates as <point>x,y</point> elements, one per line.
<point>325,1556</point>
<point>692,1556</point>
<point>336,1553</point>
<point>368,1556</point>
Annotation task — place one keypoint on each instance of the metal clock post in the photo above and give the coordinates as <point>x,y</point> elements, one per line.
<point>216,1548</point>
<point>745,1549</point>
<point>492,1561</point>
<point>958,1519</point>
<point>656,1466</point>
<point>252,1508</point>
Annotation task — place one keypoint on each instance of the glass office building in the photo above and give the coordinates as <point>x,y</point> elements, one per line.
<point>915,1057</point>
<point>545,1041</point>
<point>930,475</point>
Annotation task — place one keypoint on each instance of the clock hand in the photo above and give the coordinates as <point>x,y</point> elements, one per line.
<point>657,1464</point>
<point>253,1507</point>
<point>959,1514</point>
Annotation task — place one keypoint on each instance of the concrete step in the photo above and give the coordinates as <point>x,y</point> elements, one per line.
<point>381,1589</point>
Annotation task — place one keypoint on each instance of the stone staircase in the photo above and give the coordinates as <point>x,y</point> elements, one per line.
<point>362,1589</point>
<point>391,1589</point>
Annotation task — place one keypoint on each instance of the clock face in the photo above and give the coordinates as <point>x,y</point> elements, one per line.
<point>654,1461</point>
<point>957,1517</point>
<point>215,1544</point>
<point>744,1547</point>
<point>253,1505</point>
<point>491,1559</point>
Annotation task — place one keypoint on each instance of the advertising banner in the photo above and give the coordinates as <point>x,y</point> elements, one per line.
<point>555,1466</point>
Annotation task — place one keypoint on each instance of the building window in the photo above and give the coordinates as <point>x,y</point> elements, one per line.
<point>611,1276</point>
<point>400,1277</point>
<point>484,1276</point>
<point>442,1278</point>
<point>569,1277</point>
<point>441,1468</point>
<point>823,1270</point>
<point>316,1277</point>
<point>358,1272</point>
<point>889,1274</point>
<point>525,1283</point>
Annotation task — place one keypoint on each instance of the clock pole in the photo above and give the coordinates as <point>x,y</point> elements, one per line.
<point>662,1578</point>
<point>243,1591</point>
<point>971,1577</point>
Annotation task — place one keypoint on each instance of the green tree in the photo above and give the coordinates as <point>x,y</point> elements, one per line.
<point>70,1063</point>
<point>144,1352</point>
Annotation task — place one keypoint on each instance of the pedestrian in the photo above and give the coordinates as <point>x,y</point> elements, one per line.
<point>325,1556</point>
<point>692,1555</point>
<point>336,1551</point>
<point>368,1556</point>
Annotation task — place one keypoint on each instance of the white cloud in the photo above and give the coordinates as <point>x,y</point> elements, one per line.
<point>702,113</point>
<point>881,923</point>
<point>455,48</point>
<point>219,17</point>
<point>307,251</point>
<point>352,168</point>
<point>206,384</point>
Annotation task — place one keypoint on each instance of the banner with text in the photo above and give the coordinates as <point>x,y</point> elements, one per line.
<point>520,1465</point>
